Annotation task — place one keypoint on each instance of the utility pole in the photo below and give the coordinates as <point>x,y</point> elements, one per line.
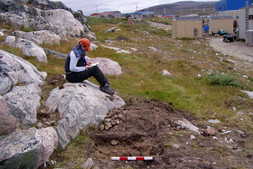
<point>247,15</point>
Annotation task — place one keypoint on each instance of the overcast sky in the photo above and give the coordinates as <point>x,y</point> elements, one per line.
<point>124,6</point>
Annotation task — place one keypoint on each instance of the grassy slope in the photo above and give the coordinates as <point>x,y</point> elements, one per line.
<point>141,77</point>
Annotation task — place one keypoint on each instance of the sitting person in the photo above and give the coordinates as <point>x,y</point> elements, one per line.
<point>77,68</point>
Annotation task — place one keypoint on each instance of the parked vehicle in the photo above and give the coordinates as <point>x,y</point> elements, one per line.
<point>229,38</point>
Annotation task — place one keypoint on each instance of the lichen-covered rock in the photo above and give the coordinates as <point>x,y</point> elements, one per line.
<point>39,37</point>
<point>23,102</point>
<point>14,69</point>
<point>7,121</point>
<point>27,148</point>
<point>79,104</point>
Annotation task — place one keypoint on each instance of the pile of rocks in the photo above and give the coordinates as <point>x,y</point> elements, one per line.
<point>113,119</point>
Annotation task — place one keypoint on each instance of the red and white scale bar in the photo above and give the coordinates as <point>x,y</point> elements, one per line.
<point>131,158</point>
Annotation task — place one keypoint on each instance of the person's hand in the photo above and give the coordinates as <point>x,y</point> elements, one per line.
<point>87,66</point>
<point>89,63</point>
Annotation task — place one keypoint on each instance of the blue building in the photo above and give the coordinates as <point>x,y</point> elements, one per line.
<point>227,5</point>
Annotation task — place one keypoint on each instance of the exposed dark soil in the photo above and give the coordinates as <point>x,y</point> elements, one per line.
<point>150,128</point>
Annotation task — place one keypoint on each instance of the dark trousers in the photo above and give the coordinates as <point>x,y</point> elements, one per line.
<point>92,71</point>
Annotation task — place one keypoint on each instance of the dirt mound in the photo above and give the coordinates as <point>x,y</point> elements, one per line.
<point>148,128</point>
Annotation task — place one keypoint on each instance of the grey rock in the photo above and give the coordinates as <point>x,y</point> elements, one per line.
<point>111,30</point>
<point>6,3</point>
<point>249,93</point>
<point>79,104</point>
<point>240,113</point>
<point>108,66</point>
<point>186,124</point>
<point>14,69</point>
<point>166,73</point>
<point>114,142</point>
<point>23,102</point>
<point>28,48</point>
<point>31,49</point>
<point>58,54</point>
<point>63,23</point>
<point>39,37</point>
<point>88,164</point>
<point>214,121</point>
<point>59,21</point>
<point>27,148</point>
<point>8,123</point>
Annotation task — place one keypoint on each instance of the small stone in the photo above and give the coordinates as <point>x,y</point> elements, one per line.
<point>214,121</point>
<point>201,145</point>
<point>192,137</point>
<point>234,109</point>
<point>47,123</point>
<point>211,131</point>
<point>117,122</point>
<point>107,120</point>
<point>176,145</point>
<point>121,116</point>
<point>240,113</point>
<point>39,125</point>
<point>114,142</point>
<point>113,122</point>
<point>88,164</point>
<point>108,126</point>
<point>102,127</point>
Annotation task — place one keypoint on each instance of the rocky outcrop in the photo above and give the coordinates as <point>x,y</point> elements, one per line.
<point>14,69</point>
<point>7,121</point>
<point>79,104</point>
<point>28,48</point>
<point>39,37</point>
<point>51,52</point>
<point>108,66</point>
<point>23,102</point>
<point>27,148</point>
<point>44,15</point>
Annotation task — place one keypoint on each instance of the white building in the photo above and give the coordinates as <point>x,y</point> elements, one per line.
<point>242,21</point>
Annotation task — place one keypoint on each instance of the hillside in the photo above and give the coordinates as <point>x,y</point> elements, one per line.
<point>184,7</point>
<point>184,102</point>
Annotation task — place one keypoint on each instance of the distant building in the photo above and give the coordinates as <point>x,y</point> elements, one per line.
<point>108,14</point>
<point>225,23</point>
<point>186,27</point>
<point>242,18</point>
<point>168,16</point>
<point>227,5</point>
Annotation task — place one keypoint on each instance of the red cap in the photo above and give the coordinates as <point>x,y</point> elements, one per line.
<point>86,43</point>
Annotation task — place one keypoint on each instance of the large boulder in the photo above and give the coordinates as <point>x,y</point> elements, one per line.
<point>63,23</point>
<point>79,104</point>
<point>7,121</point>
<point>39,37</point>
<point>108,66</point>
<point>14,69</point>
<point>27,148</point>
<point>28,48</point>
<point>23,102</point>
<point>59,21</point>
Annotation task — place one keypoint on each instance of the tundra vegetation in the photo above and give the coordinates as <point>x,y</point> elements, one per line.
<point>203,83</point>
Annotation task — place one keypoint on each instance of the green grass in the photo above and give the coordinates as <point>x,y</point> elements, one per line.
<point>98,21</point>
<point>223,79</point>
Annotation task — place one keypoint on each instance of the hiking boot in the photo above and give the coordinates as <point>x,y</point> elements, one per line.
<point>107,89</point>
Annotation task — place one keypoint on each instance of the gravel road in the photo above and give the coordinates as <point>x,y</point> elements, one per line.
<point>236,49</point>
